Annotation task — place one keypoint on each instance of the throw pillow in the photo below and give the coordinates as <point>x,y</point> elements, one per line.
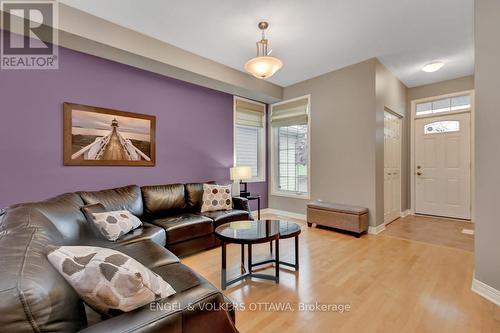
<point>115,224</point>
<point>109,281</point>
<point>216,197</point>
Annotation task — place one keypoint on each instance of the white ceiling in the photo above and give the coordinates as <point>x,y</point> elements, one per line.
<point>311,37</point>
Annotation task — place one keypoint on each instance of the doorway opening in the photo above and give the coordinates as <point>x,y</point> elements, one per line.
<point>442,156</point>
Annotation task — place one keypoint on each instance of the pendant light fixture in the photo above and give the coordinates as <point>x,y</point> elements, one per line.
<point>263,65</point>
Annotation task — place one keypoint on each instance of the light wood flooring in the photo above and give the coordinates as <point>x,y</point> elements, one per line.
<point>433,230</point>
<point>391,284</point>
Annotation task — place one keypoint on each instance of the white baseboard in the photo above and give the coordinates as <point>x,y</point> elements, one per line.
<point>376,230</point>
<point>281,213</point>
<point>486,291</point>
<point>407,212</point>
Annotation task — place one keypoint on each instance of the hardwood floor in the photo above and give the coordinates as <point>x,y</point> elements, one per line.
<point>433,230</point>
<point>391,285</point>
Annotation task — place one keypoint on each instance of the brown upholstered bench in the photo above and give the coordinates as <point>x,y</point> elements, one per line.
<point>344,217</point>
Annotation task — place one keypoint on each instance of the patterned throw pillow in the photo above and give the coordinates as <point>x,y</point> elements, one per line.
<point>115,224</point>
<point>216,197</point>
<point>109,281</point>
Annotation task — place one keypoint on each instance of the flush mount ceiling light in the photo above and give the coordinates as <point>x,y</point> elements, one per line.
<point>433,66</point>
<point>263,65</point>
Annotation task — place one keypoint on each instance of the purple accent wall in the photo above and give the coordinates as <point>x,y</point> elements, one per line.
<point>194,128</point>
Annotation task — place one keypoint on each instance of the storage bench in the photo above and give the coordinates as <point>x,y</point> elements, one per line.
<point>344,217</point>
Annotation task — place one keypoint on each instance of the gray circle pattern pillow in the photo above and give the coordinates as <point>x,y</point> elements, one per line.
<point>216,197</point>
<point>115,224</point>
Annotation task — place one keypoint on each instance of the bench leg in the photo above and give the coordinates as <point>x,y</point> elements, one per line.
<point>309,224</point>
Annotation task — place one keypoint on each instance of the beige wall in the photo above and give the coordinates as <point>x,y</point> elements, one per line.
<point>342,137</point>
<point>347,136</point>
<point>441,88</point>
<point>487,86</point>
<point>391,94</point>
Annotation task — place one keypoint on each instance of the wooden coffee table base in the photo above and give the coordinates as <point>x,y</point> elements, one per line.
<point>248,272</point>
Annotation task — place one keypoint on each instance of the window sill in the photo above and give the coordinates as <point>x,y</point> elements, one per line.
<point>305,196</point>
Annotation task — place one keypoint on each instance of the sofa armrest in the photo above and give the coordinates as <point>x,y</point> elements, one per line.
<point>176,314</point>
<point>242,203</point>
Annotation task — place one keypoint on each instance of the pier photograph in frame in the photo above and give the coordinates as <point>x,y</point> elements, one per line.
<point>99,136</point>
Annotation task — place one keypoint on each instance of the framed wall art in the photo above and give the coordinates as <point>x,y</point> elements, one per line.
<point>99,136</point>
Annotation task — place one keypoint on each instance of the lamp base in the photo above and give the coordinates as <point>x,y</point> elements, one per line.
<point>244,193</point>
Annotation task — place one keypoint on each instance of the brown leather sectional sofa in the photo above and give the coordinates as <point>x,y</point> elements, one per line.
<point>34,297</point>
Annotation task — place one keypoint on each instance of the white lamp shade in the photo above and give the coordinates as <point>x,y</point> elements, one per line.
<point>263,67</point>
<point>241,173</point>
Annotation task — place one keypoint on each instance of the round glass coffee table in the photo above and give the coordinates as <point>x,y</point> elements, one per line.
<point>256,232</point>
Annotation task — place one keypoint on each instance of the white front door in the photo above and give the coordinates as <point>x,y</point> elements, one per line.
<point>392,167</point>
<point>443,166</point>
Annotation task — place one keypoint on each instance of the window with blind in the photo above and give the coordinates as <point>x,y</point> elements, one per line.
<point>249,136</point>
<point>290,147</point>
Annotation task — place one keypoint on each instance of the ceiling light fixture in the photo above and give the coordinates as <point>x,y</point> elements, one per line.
<point>263,65</point>
<point>433,66</point>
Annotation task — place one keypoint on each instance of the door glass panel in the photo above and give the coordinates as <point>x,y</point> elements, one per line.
<point>442,127</point>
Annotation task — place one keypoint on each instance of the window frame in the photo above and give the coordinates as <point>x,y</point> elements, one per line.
<point>414,103</point>
<point>261,149</point>
<point>274,151</point>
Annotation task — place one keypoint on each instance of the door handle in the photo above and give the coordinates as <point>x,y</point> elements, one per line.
<point>419,173</point>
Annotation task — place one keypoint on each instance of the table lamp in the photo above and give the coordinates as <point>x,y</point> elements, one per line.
<point>241,173</point>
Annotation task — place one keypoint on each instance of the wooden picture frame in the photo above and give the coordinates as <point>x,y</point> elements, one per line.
<point>97,136</point>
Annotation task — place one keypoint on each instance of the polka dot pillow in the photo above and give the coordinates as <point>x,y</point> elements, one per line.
<point>109,281</point>
<point>216,197</point>
<point>115,224</point>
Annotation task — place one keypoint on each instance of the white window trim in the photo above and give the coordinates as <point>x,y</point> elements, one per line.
<point>273,145</point>
<point>262,144</point>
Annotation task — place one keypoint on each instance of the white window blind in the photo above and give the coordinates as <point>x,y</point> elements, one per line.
<point>249,136</point>
<point>292,158</point>
<point>247,148</point>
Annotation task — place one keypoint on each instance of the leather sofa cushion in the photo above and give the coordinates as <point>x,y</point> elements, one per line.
<point>148,253</point>
<point>64,213</point>
<point>194,195</point>
<point>34,297</point>
<point>185,226</point>
<point>147,232</point>
<point>127,197</point>
<point>195,245</point>
<point>223,216</point>
<point>163,198</point>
